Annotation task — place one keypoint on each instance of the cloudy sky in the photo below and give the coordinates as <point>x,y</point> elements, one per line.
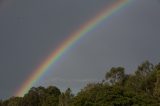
<point>31,29</point>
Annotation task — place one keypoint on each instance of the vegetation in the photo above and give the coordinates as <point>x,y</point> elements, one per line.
<point>141,88</point>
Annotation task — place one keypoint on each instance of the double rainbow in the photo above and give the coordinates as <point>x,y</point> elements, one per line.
<point>71,40</point>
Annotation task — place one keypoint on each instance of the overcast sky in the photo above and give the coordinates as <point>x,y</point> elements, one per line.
<point>31,29</point>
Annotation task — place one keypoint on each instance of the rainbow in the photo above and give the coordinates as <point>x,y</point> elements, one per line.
<point>71,40</point>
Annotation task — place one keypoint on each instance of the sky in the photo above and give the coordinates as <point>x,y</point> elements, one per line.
<point>31,29</point>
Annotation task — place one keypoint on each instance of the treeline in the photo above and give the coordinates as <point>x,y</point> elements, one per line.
<point>142,88</point>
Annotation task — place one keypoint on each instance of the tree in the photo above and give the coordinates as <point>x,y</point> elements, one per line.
<point>65,98</point>
<point>53,90</point>
<point>51,97</point>
<point>157,85</point>
<point>13,101</point>
<point>41,96</point>
<point>144,69</point>
<point>157,67</point>
<point>0,102</point>
<point>115,75</point>
<point>32,98</point>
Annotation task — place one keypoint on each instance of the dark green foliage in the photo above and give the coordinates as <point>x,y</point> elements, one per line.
<point>13,101</point>
<point>41,97</point>
<point>119,89</point>
<point>144,69</point>
<point>115,75</point>
<point>65,99</point>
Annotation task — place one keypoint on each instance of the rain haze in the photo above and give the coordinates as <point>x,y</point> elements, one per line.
<point>31,29</point>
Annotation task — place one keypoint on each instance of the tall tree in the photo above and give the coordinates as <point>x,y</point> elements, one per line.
<point>144,69</point>
<point>116,74</point>
<point>52,96</point>
<point>31,98</point>
<point>65,98</point>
